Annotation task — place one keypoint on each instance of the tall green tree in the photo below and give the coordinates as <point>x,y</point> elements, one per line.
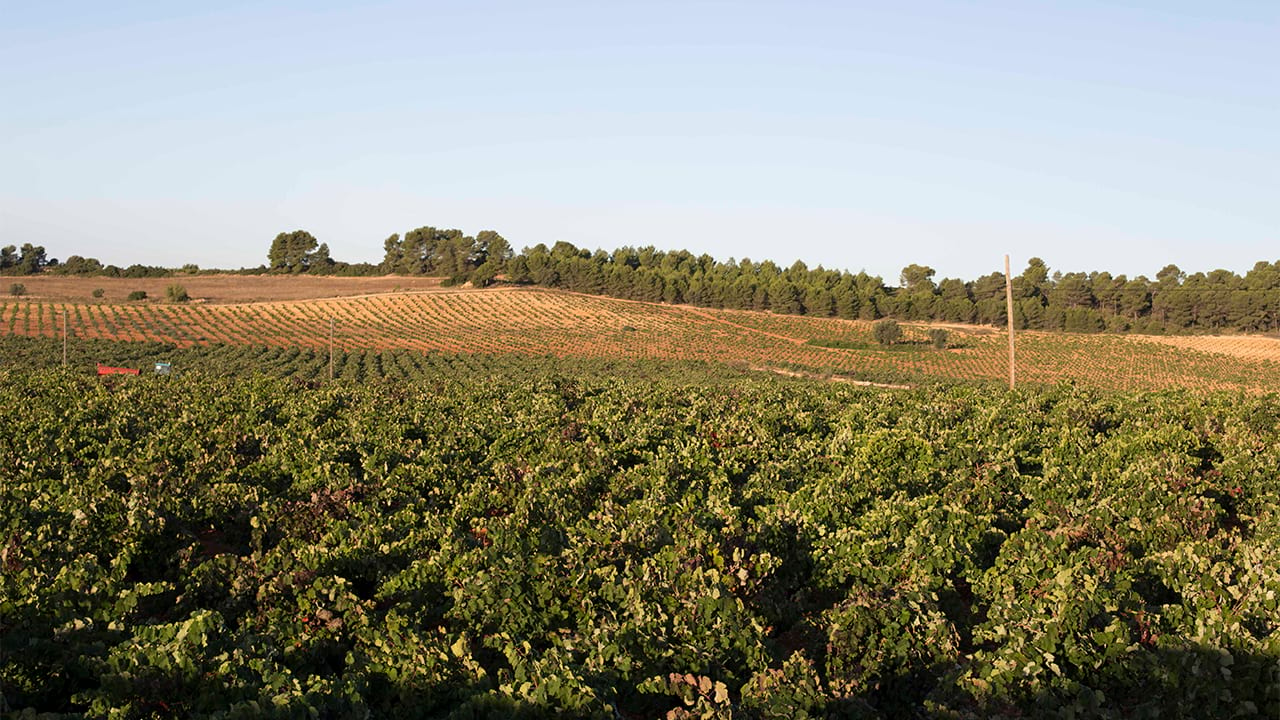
<point>989,303</point>
<point>392,254</point>
<point>292,252</point>
<point>493,249</point>
<point>954,302</point>
<point>784,297</point>
<point>30,260</point>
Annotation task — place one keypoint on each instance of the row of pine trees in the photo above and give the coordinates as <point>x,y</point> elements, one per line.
<point>1075,302</point>
<point>1172,302</point>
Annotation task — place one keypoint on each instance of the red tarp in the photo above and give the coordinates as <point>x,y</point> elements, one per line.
<point>108,370</point>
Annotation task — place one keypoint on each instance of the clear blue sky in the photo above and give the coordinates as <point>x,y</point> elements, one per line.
<point>858,135</point>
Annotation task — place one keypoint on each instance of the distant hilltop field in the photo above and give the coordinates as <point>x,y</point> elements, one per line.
<point>422,314</point>
<point>1175,302</point>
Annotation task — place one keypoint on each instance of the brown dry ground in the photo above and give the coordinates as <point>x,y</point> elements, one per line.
<point>368,313</point>
<point>221,289</point>
<point>1249,347</point>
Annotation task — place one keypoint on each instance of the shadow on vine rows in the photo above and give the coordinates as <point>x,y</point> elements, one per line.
<point>1163,683</point>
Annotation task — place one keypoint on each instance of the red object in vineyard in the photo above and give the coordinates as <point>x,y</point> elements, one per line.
<point>108,370</point>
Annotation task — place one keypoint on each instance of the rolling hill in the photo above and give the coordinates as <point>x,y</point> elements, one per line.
<point>531,321</point>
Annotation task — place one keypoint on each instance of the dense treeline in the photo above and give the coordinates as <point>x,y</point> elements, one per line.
<point>34,259</point>
<point>1173,301</point>
<point>27,260</point>
<point>1075,302</point>
<point>431,251</point>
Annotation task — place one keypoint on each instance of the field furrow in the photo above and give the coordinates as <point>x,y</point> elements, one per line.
<point>544,322</point>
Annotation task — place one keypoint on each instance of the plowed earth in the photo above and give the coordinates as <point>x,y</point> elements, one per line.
<point>531,321</point>
<point>223,288</point>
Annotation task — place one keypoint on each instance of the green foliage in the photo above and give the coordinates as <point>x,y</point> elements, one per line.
<point>1074,302</point>
<point>17,289</point>
<point>137,295</point>
<point>78,265</point>
<point>432,251</point>
<point>887,331</point>
<point>176,293</point>
<point>28,260</point>
<point>503,537</point>
<point>1079,302</point>
<point>484,275</point>
<point>906,348</point>
<point>98,292</point>
<point>938,337</point>
<point>136,271</point>
<point>299,252</point>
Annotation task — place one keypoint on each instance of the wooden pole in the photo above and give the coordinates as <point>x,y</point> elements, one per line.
<point>330,348</point>
<point>1008,301</point>
<point>64,337</point>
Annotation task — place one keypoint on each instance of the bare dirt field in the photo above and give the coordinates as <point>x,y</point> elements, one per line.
<point>221,289</point>
<point>366,313</point>
<point>1249,347</point>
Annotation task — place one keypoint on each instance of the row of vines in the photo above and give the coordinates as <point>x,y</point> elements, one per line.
<point>312,365</point>
<point>508,537</point>
<point>533,323</point>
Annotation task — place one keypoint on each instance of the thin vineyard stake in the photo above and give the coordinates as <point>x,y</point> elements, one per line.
<point>1008,300</point>
<point>64,337</point>
<point>330,348</point>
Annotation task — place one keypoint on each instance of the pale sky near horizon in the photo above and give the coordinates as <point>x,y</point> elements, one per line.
<point>853,135</point>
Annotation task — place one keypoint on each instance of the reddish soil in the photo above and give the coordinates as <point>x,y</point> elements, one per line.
<point>221,289</point>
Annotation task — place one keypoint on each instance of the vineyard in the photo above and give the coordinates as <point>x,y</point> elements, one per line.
<point>537,322</point>
<point>311,366</point>
<point>535,503</point>
<point>489,536</point>
<point>220,287</point>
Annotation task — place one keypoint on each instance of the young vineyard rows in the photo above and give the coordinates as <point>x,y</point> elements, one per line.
<point>534,322</point>
<point>487,536</point>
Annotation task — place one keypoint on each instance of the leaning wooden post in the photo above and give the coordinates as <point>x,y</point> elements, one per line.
<point>1008,300</point>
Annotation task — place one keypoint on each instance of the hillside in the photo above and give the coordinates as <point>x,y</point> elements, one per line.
<point>515,540</point>
<point>218,288</point>
<point>533,322</point>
